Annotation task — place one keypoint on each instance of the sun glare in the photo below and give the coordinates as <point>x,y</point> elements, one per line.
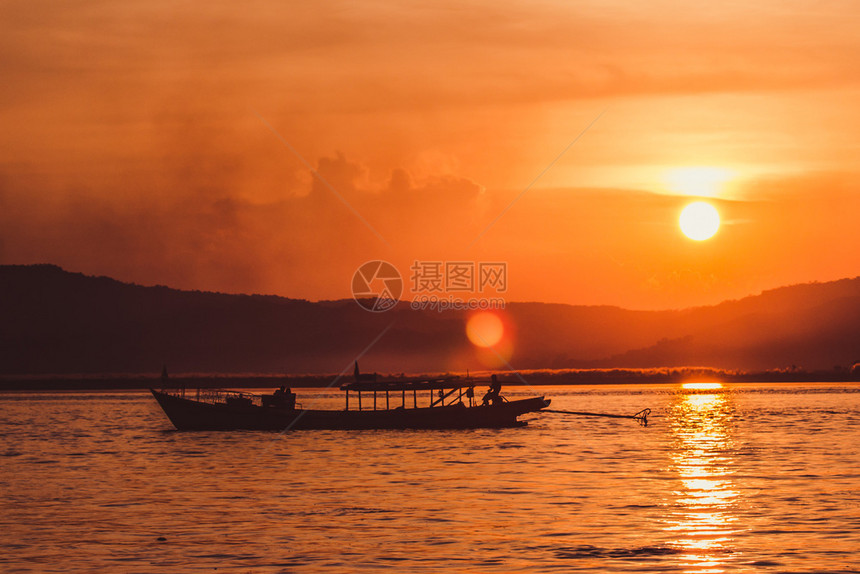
<point>698,181</point>
<point>699,221</point>
<point>702,386</point>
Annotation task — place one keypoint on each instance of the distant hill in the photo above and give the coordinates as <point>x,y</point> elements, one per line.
<point>53,321</point>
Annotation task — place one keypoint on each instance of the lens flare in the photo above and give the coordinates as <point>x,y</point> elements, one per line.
<point>485,329</point>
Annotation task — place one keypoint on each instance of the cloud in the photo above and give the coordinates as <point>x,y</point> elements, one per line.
<point>131,146</point>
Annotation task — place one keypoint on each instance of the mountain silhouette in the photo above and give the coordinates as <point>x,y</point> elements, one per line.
<point>57,322</point>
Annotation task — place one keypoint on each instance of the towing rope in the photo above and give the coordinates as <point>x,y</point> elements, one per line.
<point>641,417</point>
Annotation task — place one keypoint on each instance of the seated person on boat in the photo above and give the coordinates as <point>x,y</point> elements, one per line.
<point>493,397</point>
<point>283,398</point>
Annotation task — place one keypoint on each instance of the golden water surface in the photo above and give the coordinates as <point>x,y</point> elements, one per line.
<point>743,478</point>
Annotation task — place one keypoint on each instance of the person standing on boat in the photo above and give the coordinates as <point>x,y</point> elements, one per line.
<point>493,395</point>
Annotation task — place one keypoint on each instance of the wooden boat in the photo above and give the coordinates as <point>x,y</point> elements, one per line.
<point>445,403</point>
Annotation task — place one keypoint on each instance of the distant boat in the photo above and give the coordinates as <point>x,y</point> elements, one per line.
<point>446,403</point>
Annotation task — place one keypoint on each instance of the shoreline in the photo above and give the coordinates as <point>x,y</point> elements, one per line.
<point>534,378</point>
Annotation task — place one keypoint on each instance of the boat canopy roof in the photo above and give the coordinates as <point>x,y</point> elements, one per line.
<point>410,385</point>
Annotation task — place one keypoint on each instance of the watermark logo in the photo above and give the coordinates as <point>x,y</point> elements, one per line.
<point>377,286</point>
<point>436,285</point>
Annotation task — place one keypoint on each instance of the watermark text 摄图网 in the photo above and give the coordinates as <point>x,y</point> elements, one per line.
<point>436,285</point>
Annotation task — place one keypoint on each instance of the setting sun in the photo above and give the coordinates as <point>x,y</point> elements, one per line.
<point>699,221</point>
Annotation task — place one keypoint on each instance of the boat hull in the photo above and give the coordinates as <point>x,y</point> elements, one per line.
<point>188,414</point>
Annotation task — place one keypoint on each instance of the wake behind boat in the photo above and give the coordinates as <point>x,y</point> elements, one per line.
<point>443,403</point>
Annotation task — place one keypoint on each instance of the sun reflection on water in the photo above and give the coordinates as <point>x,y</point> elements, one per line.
<point>702,386</point>
<point>703,519</point>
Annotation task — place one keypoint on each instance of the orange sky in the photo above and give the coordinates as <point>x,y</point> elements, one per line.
<point>133,144</point>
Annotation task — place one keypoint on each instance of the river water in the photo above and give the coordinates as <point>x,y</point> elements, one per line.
<point>743,478</point>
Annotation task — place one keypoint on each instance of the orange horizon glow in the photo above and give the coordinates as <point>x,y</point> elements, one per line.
<point>275,150</point>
